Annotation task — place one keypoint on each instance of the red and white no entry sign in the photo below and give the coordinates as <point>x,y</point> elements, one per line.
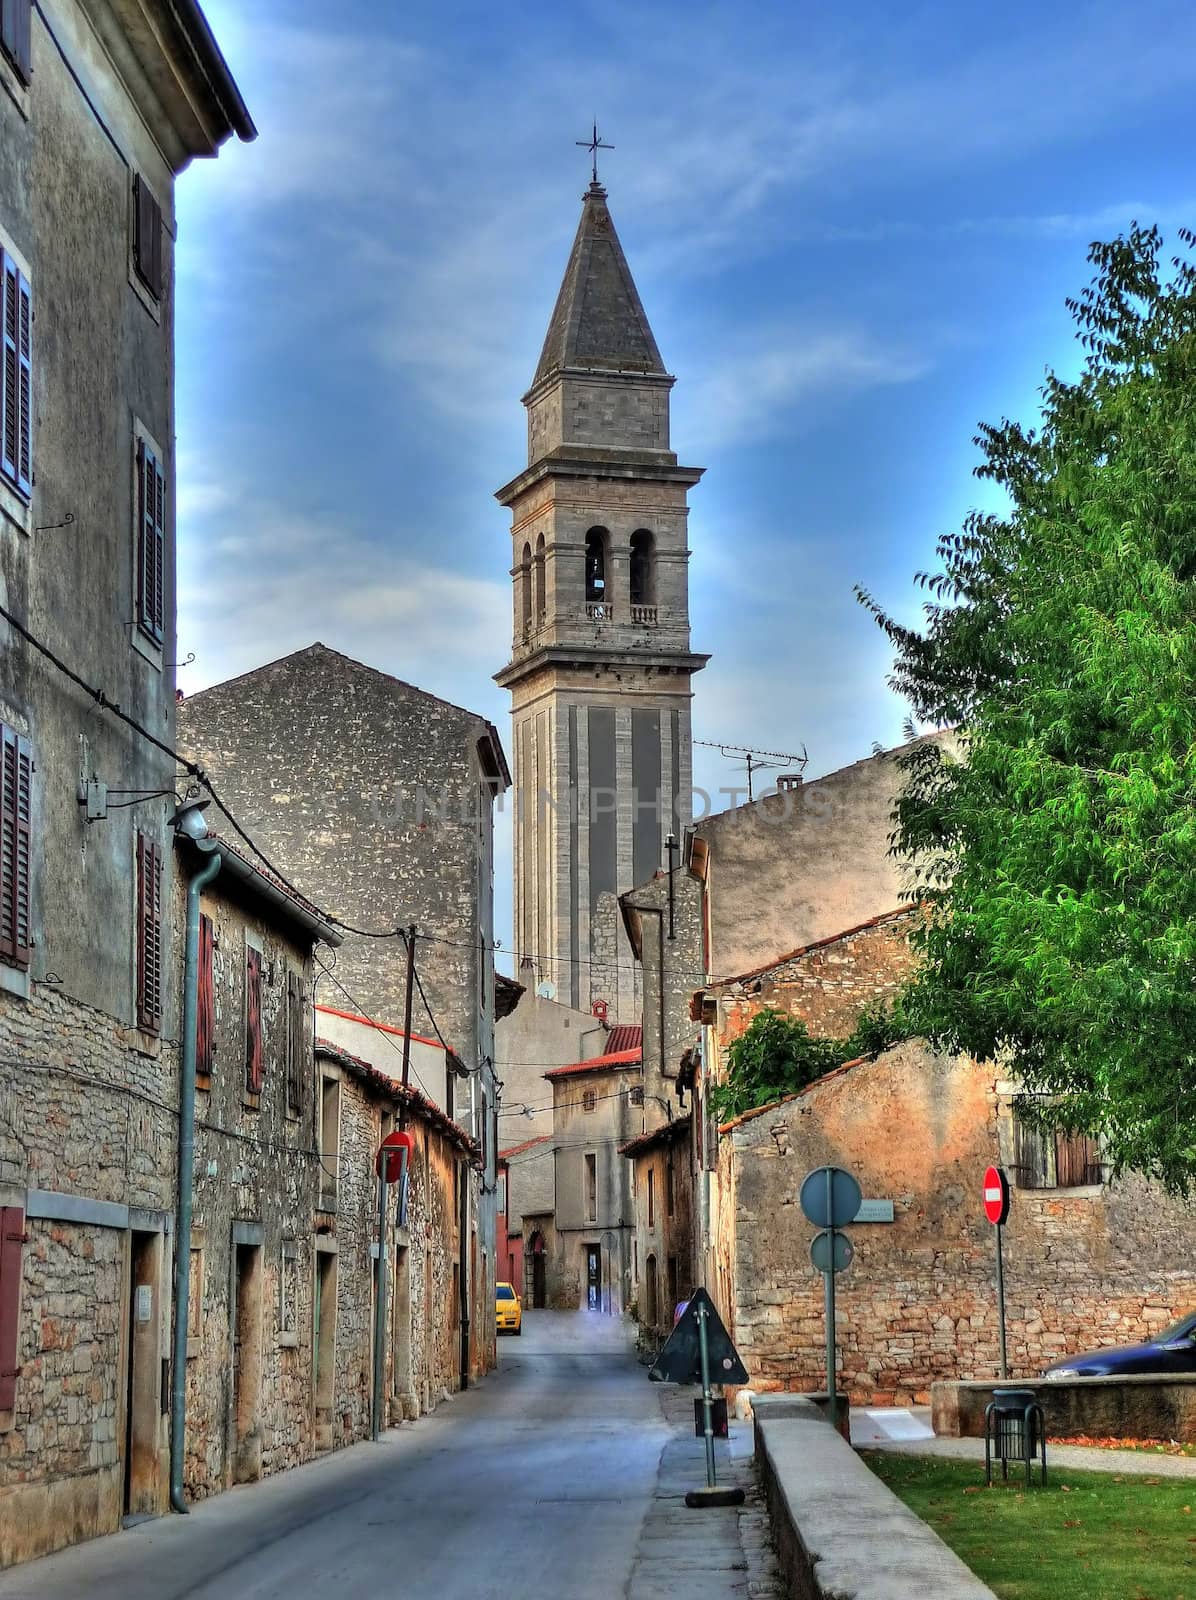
<point>996,1195</point>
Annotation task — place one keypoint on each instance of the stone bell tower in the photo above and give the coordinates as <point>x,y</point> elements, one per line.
<point>601,666</point>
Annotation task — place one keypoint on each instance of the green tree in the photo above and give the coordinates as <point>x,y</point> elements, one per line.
<point>1058,857</point>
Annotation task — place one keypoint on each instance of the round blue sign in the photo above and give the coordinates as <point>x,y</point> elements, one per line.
<point>830,1197</point>
<point>825,1258</point>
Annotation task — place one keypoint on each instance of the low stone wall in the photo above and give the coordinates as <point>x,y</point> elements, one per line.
<point>1113,1408</point>
<point>840,1533</point>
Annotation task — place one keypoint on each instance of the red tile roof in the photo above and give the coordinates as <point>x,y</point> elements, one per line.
<point>625,1036</point>
<point>665,1134</point>
<point>427,1110</point>
<point>614,1058</point>
<point>518,1149</point>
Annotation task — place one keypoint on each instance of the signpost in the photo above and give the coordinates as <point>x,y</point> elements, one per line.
<point>699,1350</point>
<point>996,1209</point>
<point>391,1164</point>
<point>830,1198</point>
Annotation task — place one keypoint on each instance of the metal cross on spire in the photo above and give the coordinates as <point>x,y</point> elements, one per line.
<point>593,144</point>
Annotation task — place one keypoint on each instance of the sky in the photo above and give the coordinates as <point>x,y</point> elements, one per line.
<point>853,230</point>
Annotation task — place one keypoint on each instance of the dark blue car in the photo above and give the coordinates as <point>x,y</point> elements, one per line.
<point>1173,1350</point>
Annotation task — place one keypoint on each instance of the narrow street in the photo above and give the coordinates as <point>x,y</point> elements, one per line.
<point>538,1482</point>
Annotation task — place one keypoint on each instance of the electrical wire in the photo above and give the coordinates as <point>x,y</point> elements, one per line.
<point>385,1033</point>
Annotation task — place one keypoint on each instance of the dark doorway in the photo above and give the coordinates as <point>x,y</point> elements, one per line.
<point>539,1275</point>
<point>651,1293</point>
<point>593,1277</point>
<point>247,1364</point>
<point>143,1397</point>
<point>324,1346</point>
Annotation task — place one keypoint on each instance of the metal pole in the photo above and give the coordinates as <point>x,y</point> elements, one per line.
<point>670,845</point>
<point>380,1308</point>
<point>830,1298</point>
<point>410,940</point>
<point>1001,1303</point>
<point>707,1398</point>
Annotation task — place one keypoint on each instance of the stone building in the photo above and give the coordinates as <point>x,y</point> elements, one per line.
<point>378,798</point>
<point>525,1189</point>
<point>101,107</point>
<point>1089,1261</point>
<point>258,1177</point>
<point>601,665</point>
<point>597,1105</point>
<point>662,1251</point>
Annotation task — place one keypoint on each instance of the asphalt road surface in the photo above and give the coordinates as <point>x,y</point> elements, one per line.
<point>533,1484</point>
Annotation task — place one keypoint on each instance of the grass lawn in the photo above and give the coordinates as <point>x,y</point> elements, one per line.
<point>1086,1536</point>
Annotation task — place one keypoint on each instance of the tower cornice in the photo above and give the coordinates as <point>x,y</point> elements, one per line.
<point>586,462</point>
<point>599,655</point>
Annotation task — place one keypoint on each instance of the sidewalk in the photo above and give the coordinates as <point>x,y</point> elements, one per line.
<point>1073,1457</point>
<point>708,1554</point>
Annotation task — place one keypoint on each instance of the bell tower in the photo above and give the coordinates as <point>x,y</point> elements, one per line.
<point>601,666</point>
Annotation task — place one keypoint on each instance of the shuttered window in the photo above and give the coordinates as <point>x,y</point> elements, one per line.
<point>297,1052</point>
<point>253,1021</point>
<point>149,935</point>
<point>205,1013</point>
<point>12,1238</point>
<point>16,17</point>
<point>151,543</point>
<point>16,847</point>
<point>1054,1159</point>
<point>16,391</point>
<point>147,237</point>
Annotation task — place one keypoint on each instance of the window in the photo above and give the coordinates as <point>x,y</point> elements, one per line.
<point>597,597</point>
<point>288,1291</point>
<point>642,576</point>
<point>16,848</point>
<point>330,1138</point>
<point>297,1053</point>
<point>151,543</point>
<point>195,1294</point>
<point>525,590</point>
<point>205,1010</point>
<point>589,1100</point>
<point>1046,1158</point>
<point>149,935</point>
<point>12,1237</point>
<point>147,237</point>
<point>651,1196</point>
<point>670,1190</point>
<point>541,597</point>
<point>636,1095</point>
<point>253,1021</point>
<point>16,391</point>
<point>15,37</point>
<point>591,1188</point>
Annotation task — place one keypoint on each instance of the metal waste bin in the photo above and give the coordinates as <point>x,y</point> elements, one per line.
<point>1014,1430</point>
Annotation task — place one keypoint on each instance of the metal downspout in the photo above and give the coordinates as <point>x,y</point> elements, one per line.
<point>182,1243</point>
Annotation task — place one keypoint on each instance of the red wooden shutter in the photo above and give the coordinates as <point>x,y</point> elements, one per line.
<point>12,1237</point>
<point>147,237</point>
<point>296,1044</point>
<point>149,935</point>
<point>205,1013</point>
<point>15,35</point>
<point>16,847</point>
<point>151,543</point>
<point>253,1020</point>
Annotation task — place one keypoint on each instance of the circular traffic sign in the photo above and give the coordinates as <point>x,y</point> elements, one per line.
<point>831,1251</point>
<point>996,1195</point>
<point>830,1197</point>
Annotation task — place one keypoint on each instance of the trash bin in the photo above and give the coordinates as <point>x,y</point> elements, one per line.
<point>1014,1430</point>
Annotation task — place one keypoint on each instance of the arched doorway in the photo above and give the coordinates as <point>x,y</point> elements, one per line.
<point>651,1294</point>
<point>539,1294</point>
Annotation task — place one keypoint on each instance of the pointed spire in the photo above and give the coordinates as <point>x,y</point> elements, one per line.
<point>599,322</point>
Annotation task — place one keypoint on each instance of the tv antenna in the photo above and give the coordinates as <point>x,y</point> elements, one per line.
<point>757,760</point>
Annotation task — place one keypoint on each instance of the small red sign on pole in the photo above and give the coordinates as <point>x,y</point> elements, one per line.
<point>391,1150</point>
<point>996,1196</point>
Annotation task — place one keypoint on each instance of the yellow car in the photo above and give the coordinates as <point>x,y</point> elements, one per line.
<point>508,1312</point>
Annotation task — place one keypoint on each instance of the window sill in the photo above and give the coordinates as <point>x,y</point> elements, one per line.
<point>288,1341</point>
<point>192,1346</point>
<point>146,1044</point>
<point>8,1421</point>
<point>251,1102</point>
<point>145,647</point>
<point>15,510</point>
<point>143,293</point>
<point>15,981</point>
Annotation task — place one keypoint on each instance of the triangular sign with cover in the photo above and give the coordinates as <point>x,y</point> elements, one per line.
<point>681,1359</point>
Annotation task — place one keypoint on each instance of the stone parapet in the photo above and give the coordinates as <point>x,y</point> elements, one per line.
<point>840,1533</point>
<point>1138,1407</point>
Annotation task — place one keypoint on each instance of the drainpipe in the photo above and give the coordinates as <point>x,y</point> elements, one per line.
<point>463,1272</point>
<point>182,1259</point>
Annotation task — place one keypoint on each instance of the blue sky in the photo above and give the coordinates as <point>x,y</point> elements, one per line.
<point>853,229</point>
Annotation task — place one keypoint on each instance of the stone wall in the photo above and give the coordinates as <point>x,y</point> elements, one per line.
<point>1084,1267</point>
<point>664,1230</point>
<point>579,1132</point>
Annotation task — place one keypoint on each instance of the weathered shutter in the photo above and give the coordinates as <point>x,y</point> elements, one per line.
<point>205,1010</point>
<point>16,18</point>
<point>149,935</point>
<point>1030,1156</point>
<point>147,237</point>
<point>1077,1161</point>
<point>296,1044</point>
<point>16,848</point>
<point>10,392</point>
<point>253,1020</point>
<point>151,543</point>
<point>12,1237</point>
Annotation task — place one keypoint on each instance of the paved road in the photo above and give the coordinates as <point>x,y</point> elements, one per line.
<point>536,1483</point>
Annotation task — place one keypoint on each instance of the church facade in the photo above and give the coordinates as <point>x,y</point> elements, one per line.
<point>601,665</point>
